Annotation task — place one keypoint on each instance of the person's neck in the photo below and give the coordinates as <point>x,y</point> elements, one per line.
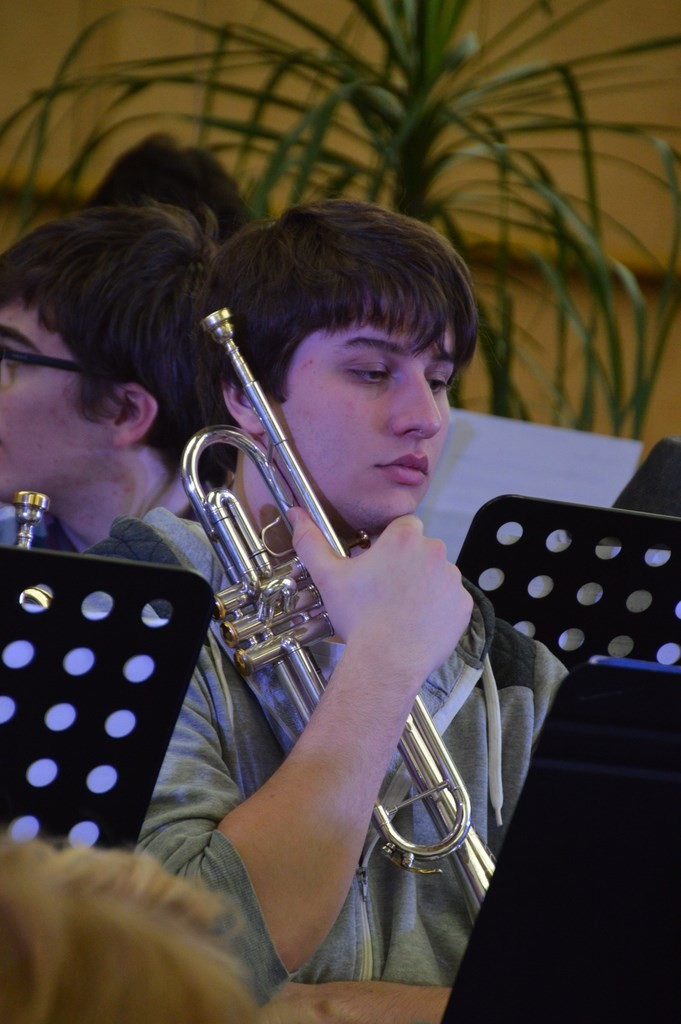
<point>133,488</point>
<point>259,506</point>
<point>262,512</point>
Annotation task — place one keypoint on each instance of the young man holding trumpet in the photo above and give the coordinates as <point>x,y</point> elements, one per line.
<point>354,321</point>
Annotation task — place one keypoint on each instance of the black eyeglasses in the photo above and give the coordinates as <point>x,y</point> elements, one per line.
<point>38,360</point>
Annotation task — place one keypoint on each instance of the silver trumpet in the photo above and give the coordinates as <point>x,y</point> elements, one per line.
<point>272,615</point>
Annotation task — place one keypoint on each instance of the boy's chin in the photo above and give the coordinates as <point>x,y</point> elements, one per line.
<point>375,521</point>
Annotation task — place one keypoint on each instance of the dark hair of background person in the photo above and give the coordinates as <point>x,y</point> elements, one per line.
<point>118,284</point>
<point>158,168</point>
<point>328,265</point>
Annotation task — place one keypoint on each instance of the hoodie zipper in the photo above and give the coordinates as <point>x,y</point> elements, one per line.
<point>366,968</point>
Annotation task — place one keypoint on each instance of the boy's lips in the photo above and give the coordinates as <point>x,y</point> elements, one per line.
<point>407,469</point>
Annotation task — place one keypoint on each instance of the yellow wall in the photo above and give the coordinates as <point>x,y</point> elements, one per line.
<point>36,34</point>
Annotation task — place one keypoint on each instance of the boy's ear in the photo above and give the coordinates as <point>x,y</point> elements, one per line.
<point>134,412</point>
<point>241,410</point>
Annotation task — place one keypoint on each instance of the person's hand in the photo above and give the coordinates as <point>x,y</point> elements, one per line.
<point>356,1002</point>
<point>400,607</point>
<point>401,593</point>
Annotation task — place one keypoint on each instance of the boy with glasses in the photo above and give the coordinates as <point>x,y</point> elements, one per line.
<point>97,367</point>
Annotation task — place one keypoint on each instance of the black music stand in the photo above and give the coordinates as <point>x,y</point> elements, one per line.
<point>584,580</point>
<point>582,920</point>
<point>90,688</point>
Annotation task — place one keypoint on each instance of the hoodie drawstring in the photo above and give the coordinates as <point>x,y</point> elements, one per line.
<point>496,786</point>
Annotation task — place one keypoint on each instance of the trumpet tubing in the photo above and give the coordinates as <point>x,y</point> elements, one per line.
<point>273,615</point>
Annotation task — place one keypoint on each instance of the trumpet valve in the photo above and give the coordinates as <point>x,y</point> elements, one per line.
<point>268,617</point>
<point>306,632</point>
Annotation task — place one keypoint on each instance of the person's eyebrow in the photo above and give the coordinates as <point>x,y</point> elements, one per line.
<point>12,334</point>
<point>440,355</point>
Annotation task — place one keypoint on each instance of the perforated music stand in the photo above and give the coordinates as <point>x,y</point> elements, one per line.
<point>584,580</point>
<point>90,688</point>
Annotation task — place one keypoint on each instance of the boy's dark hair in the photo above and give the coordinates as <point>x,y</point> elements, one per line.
<point>159,169</point>
<point>119,286</point>
<point>326,266</point>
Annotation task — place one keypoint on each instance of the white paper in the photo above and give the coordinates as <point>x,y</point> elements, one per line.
<point>486,456</point>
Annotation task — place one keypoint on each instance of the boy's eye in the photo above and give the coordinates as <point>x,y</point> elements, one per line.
<point>370,375</point>
<point>9,359</point>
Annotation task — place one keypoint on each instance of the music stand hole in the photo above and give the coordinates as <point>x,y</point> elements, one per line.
<point>491,579</point>
<point>620,646</point>
<point>138,668</point>
<point>669,654</point>
<point>559,540</point>
<point>102,778</point>
<point>78,661</point>
<point>18,654</point>
<point>85,833</point>
<point>24,829</point>
<point>571,639</point>
<point>60,717</point>
<point>7,709</point>
<point>639,601</point>
<point>608,547</point>
<point>540,586</point>
<point>509,533</point>
<point>526,627</point>
<point>590,593</point>
<point>42,772</point>
<point>120,723</point>
<point>657,555</point>
<point>36,599</point>
<point>157,613</point>
<point>97,606</point>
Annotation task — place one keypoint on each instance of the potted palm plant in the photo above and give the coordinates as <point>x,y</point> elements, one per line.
<point>406,105</point>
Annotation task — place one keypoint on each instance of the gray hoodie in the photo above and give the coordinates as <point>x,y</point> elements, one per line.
<point>489,701</point>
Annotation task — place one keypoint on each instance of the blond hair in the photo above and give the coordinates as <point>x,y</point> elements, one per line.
<point>109,937</point>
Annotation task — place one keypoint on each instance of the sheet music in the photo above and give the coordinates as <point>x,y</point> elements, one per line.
<point>486,456</point>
